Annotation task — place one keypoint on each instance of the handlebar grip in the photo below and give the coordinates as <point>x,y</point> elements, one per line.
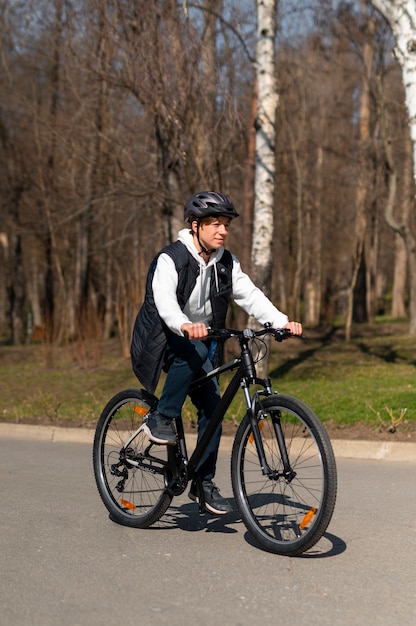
<point>280,334</point>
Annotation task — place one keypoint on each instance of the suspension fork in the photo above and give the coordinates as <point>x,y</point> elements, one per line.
<point>288,473</point>
<point>251,412</point>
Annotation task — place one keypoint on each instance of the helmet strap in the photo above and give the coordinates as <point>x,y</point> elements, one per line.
<point>203,248</point>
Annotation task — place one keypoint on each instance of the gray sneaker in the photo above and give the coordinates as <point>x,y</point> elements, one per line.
<point>214,502</point>
<point>160,429</point>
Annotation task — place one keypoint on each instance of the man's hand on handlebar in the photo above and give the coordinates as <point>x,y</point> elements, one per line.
<point>194,331</point>
<point>200,331</point>
<point>294,327</point>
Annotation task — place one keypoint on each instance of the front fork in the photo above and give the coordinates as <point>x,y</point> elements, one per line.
<point>256,412</point>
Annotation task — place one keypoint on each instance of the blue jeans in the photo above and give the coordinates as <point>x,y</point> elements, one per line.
<point>189,360</point>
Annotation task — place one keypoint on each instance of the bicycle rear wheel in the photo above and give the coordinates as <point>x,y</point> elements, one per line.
<point>287,513</point>
<point>130,470</point>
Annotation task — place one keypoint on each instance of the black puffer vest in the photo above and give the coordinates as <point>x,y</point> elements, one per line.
<point>150,333</point>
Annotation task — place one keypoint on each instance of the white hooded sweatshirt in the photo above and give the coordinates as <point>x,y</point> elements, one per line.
<point>198,308</point>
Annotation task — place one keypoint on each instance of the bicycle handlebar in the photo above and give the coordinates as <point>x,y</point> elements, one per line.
<point>221,334</point>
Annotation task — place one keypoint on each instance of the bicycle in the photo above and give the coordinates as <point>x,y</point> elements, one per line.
<point>283,469</point>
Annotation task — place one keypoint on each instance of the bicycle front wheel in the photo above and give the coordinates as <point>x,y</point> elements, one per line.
<point>287,505</point>
<point>129,470</point>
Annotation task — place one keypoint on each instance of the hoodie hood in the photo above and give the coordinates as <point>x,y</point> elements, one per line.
<point>185,237</point>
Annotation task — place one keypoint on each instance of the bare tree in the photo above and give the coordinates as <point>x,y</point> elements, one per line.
<point>113,111</point>
<point>401,15</point>
<point>364,173</point>
<point>398,307</point>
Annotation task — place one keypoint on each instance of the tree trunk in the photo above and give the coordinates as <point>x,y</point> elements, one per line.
<point>294,307</point>
<point>401,15</point>
<point>109,314</point>
<point>208,135</point>
<point>247,217</point>
<point>372,248</point>
<point>265,146</point>
<point>17,284</point>
<point>398,306</point>
<point>4,253</point>
<point>265,151</point>
<point>313,245</point>
<point>33,289</point>
<point>363,174</point>
<point>47,165</point>
<point>401,228</point>
<point>249,182</point>
<point>85,221</point>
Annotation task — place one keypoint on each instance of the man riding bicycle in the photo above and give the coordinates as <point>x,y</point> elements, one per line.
<point>189,287</point>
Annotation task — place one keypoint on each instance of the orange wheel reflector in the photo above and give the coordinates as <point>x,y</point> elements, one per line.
<point>140,410</point>
<point>251,438</point>
<point>127,504</point>
<point>309,515</point>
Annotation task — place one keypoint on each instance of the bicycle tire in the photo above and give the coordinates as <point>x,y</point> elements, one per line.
<point>285,516</point>
<point>130,481</point>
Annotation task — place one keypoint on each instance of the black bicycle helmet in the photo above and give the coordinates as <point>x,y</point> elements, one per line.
<point>208,203</point>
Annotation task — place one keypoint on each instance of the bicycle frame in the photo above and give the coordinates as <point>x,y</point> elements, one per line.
<point>183,469</point>
<point>218,414</point>
<point>244,377</point>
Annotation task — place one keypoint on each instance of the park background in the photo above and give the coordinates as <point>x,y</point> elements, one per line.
<point>114,112</point>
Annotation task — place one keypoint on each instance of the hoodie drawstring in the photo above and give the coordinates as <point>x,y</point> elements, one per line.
<point>216,275</point>
<point>204,277</point>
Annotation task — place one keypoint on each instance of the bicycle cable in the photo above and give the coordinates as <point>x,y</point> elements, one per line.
<point>261,349</point>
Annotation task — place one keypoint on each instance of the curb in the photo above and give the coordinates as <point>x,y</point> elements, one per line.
<point>343,449</point>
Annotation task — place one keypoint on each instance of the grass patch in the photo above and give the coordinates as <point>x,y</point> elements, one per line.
<point>369,379</point>
<point>347,383</point>
<point>61,392</point>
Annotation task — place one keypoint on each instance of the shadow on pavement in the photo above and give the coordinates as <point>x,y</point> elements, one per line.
<point>321,551</point>
<point>186,517</point>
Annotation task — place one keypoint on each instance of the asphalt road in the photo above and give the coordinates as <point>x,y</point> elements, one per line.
<point>63,562</point>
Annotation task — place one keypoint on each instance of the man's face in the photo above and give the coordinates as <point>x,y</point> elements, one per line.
<point>213,231</point>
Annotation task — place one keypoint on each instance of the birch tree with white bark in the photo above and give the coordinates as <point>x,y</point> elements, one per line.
<point>265,144</point>
<point>265,166</point>
<point>401,15</point>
